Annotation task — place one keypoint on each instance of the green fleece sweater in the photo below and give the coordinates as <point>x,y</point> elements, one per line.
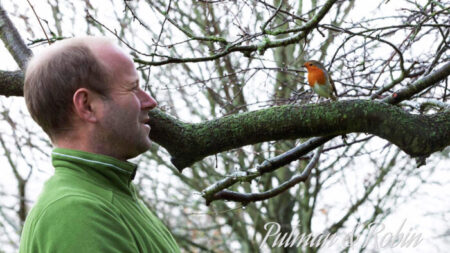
<point>90,205</point>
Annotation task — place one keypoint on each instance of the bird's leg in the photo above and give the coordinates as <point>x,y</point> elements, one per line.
<point>344,139</point>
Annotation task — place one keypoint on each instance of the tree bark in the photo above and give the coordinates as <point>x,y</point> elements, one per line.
<point>417,135</point>
<point>12,40</point>
<point>11,83</point>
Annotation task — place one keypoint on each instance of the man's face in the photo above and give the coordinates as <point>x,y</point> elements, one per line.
<point>124,118</point>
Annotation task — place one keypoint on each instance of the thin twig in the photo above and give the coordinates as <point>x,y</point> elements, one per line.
<point>263,27</point>
<point>39,20</point>
<point>157,42</point>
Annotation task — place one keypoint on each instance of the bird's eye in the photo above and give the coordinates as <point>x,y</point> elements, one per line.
<point>310,64</point>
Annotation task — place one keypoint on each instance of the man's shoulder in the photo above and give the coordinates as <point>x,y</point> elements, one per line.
<point>63,222</point>
<point>60,187</point>
<point>67,194</point>
<point>68,205</point>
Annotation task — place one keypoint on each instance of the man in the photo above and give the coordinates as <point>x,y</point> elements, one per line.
<point>85,94</point>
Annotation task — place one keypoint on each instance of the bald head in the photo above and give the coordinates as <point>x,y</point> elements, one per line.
<point>53,75</point>
<point>115,61</point>
<point>61,47</point>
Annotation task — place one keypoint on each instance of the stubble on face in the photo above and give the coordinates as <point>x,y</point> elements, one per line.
<point>124,135</point>
<point>121,131</point>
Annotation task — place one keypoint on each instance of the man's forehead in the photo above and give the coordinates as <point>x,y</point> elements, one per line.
<point>112,56</point>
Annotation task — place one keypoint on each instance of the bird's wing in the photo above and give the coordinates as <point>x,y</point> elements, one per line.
<point>333,86</point>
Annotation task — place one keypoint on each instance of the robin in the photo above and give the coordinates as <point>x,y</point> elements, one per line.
<point>321,83</point>
<point>319,80</point>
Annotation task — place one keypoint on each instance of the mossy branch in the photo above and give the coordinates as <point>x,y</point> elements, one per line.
<point>187,143</point>
<point>11,83</point>
<point>417,135</point>
<point>261,46</point>
<point>12,40</point>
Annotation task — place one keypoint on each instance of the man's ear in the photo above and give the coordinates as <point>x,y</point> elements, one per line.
<point>86,104</point>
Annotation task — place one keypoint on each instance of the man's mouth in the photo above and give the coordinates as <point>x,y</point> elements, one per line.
<point>147,126</point>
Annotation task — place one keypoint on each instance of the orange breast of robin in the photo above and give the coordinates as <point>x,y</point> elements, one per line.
<point>315,75</point>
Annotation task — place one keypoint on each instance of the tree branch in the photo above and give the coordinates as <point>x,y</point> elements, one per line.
<point>417,135</point>
<point>260,47</point>
<point>11,83</point>
<point>172,132</point>
<point>212,193</point>
<point>12,40</point>
<point>419,85</point>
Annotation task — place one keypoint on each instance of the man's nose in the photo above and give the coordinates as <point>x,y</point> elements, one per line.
<point>147,101</point>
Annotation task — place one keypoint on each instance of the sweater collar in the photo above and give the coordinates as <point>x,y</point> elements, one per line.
<point>101,168</point>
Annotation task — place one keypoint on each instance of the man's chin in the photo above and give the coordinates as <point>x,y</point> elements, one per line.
<point>139,151</point>
<point>145,146</point>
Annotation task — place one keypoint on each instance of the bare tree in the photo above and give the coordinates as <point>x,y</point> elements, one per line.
<point>235,68</point>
